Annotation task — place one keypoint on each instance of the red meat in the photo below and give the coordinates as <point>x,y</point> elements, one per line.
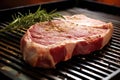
<point>47,43</point>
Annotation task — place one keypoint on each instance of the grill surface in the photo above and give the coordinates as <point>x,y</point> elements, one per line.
<point>103,64</point>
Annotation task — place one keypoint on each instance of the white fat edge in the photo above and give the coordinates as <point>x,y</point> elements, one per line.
<point>27,39</point>
<point>46,53</point>
<point>69,45</point>
<point>107,36</point>
<point>32,57</point>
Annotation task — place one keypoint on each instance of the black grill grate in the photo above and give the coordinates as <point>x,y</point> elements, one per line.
<point>102,64</point>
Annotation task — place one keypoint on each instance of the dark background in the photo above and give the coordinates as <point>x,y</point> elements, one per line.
<point>15,3</point>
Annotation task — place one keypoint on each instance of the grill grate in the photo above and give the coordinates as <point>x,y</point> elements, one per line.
<point>99,65</point>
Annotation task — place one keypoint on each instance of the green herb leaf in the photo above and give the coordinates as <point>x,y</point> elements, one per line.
<point>25,21</point>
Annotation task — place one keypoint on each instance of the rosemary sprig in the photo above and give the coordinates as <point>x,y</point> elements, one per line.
<point>25,21</point>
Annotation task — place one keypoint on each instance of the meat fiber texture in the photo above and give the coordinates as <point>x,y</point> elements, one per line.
<point>47,43</point>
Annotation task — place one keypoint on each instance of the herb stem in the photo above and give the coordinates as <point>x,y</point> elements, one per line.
<point>25,21</point>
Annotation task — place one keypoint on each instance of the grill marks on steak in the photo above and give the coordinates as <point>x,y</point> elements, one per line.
<point>47,43</point>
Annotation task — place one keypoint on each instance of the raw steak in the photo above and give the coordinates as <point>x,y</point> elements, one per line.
<point>47,43</point>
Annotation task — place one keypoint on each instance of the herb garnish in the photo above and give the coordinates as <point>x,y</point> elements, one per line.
<point>25,21</point>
